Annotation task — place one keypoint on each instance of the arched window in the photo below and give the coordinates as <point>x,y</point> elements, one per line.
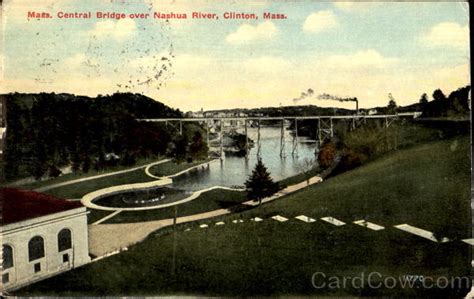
<point>35,248</point>
<point>7,256</point>
<point>64,240</point>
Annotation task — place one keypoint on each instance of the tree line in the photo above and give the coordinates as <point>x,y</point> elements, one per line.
<point>48,131</point>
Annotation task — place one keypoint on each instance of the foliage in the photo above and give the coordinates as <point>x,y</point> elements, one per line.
<point>392,106</point>
<point>275,256</point>
<point>180,148</point>
<point>49,131</point>
<point>454,106</point>
<point>198,149</point>
<point>306,166</point>
<point>239,141</point>
<point>424,99</point>
<point>260,184</point>
<point>327,154</point>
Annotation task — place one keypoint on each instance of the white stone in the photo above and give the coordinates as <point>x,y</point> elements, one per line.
<point>369,225</point>
<point>234,221</point>
<point>280,218</point>
<point>187,230</point>
<point>305,218</point>
<point>333,221</point>
<point>203,226</point>
<point>257,219</point>
<point>220,223</point>
<point>469,241</point>
<point>420,232</point>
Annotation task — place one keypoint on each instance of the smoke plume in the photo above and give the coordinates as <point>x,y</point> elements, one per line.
<point>326,96</point>
<point>307,94</point>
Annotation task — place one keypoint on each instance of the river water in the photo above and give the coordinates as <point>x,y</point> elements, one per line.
<point>234,171</point>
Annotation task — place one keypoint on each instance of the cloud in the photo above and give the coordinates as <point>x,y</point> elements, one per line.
<point>447,34</point>
<point>355,6</point>
<point>362,59</point>
<point>119,30</point>
<point>320,21</point>
<point>249,33</point>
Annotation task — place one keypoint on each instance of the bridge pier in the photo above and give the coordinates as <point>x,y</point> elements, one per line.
<point>246,141</point>
<point>221,145</point>
<point>259,148</point>
<point>353,124</point>
<point>325,129</point>
<point>282,139</point>
<point>332,127</point>
<point>318,132</point>
<point>207,135</point>
<point>295,139</point>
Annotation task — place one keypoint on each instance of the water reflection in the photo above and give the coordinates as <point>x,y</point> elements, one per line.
<point>233,171</point>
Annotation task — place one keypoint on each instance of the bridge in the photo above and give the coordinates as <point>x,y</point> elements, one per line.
<point>324,129</point>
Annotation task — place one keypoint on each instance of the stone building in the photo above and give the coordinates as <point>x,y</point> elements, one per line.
<point>41,237</point>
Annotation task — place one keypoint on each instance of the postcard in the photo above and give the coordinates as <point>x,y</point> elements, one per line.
<point>235,148</point>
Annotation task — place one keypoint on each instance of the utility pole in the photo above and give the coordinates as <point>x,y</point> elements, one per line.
<point>173,266</point>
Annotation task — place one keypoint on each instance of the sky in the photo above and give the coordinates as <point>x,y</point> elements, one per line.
<point>365,50</point>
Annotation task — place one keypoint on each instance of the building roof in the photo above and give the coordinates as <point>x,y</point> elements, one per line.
<point>19,205</point>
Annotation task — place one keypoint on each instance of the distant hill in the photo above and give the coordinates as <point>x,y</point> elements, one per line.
<point>287,111</point>
<point>456,104</point>
<point>47,131</point>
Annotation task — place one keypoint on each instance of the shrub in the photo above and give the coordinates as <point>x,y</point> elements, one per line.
<point>327,154</point>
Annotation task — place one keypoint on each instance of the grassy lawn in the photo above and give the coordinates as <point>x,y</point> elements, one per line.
<point>74,176</point>
<point>208,201</point>
<point>426,186</point>
<point>299,177</point>
<point>172,167</point>
<point>80,189</point>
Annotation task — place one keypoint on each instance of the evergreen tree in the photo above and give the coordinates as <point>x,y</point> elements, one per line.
<point>260,184</point>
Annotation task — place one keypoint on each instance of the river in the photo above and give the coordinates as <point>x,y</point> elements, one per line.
<point>234,171</point>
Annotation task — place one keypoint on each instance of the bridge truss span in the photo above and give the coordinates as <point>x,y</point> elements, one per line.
<point>324,130</point>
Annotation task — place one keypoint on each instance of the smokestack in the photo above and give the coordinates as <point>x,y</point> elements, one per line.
<point>357,106</point>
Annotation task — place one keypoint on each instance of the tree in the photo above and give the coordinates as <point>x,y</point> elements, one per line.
<point>306,166</point>
<point>260,184</point>
<point>180,148</point>
<point>438,95</point>
<point>198,148</point>
<point>327,154</point>
<point>392,106</point>
<point>424,99</point>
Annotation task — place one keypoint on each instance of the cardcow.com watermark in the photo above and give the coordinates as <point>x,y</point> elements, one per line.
<point>376,280</point>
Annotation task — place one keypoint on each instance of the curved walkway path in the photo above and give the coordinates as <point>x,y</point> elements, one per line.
<point>107,238</point>
<point>88,199</point>
<point>49,187</point>
<point>148,173</point>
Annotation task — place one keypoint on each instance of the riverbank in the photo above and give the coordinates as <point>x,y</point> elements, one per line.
<point>278,258</point>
